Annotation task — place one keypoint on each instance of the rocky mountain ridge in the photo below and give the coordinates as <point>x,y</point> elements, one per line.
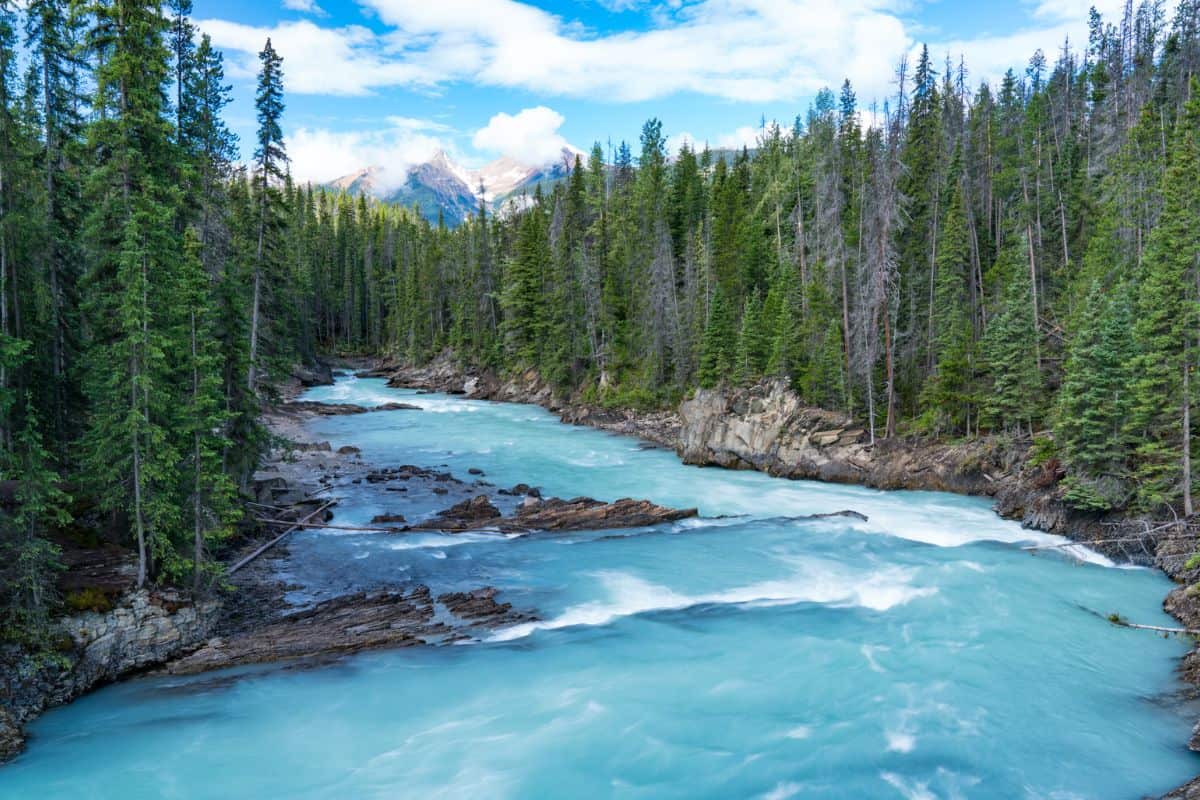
<point>443,186</point>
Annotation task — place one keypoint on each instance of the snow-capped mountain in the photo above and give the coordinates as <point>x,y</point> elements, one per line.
<point>442,185</point>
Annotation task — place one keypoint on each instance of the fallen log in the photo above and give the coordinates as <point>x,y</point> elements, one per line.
<point>280,537</point>
<point>322,525</point>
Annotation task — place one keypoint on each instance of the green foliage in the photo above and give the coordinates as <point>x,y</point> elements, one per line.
<point>752,343</point>
<point>1166,321</point>
<point>1012,399</point>
<point>88,599</point>
<point>28,560</point>
<point>718,348</point>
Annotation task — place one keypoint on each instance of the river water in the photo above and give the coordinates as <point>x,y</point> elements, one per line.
<point>748,654</point>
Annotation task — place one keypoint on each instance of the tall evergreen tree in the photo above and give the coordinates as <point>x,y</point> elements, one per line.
<point>270,161</point>
<point>1166,326</point>
<point>133,249</point>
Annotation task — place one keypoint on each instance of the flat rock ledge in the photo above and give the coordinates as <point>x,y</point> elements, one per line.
<point>553,514</point>
<point>352,623</point>
<point>340,409</point>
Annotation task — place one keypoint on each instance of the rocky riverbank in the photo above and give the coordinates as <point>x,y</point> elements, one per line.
<point>143,630</point>
<point>255,622</point>
<point>768,428</point>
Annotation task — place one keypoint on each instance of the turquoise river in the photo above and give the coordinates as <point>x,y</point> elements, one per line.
<point>921,655</point>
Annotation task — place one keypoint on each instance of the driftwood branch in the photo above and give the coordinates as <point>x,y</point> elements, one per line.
<point>323,526</point>
<point>280,537</point>
<point>1121,622</point>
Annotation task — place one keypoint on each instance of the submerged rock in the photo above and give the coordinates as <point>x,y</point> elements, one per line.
<point>480,606</point>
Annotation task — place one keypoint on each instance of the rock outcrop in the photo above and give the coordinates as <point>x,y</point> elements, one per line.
<point>340,409</point>
<point>142,631</point>
<point>767,427</point>
<point>553,514</point>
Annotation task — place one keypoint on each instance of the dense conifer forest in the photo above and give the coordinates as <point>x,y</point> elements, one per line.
<point>956,260</point>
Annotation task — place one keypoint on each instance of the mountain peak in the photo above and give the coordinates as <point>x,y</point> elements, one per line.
<point>441,184</point>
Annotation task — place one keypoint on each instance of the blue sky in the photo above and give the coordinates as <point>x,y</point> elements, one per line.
<point>391,81</point>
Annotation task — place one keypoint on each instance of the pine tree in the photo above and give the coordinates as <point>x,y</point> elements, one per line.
<point>718,348</point>
<point>1166,325</point>
<point>1094,402</point>
<point>270,159</point>
<point>28,560</point>
<point>127,457</point>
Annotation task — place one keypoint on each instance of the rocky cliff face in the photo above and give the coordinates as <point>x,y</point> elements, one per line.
<point>142,631</point>
<point>767,427</point>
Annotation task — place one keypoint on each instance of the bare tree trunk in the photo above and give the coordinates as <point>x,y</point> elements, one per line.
<point>1187,439</point>
<point>5,433</point>
<point>890,428</point>
<point>197,524</point>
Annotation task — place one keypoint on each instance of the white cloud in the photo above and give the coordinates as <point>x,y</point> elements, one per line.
<point>321,155</point>
<point>531,136</point>
<point>988,57</point>
<point>743,50</point>
<point>744,136</point>
<point>317,60</point>
<point>304,6</point>
<point>756,50</point>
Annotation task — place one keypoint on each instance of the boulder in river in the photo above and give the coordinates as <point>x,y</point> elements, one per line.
<point>341,409</point>
<point>554,514</point>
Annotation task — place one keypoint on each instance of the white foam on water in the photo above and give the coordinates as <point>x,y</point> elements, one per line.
<point>900,741</point>
<point>783,791</point>
<point>816,582</point>
<point>915,790</point>
<point>424,541</point>
<point>799,732</point>
<point>869,652</point>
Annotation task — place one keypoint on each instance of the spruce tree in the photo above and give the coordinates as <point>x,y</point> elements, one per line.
<point>1166,326</point>
<point>524,322</point>
<point>718,348</point>
<point>753,344</point>
<point>128,458</point>
<point>28,560</point>
<point>1008,348</point>
<point>202,420</point>
<point>947,392</point>
<point>1091,423</point>
<point>52,39</point>
<point>270,160</point>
